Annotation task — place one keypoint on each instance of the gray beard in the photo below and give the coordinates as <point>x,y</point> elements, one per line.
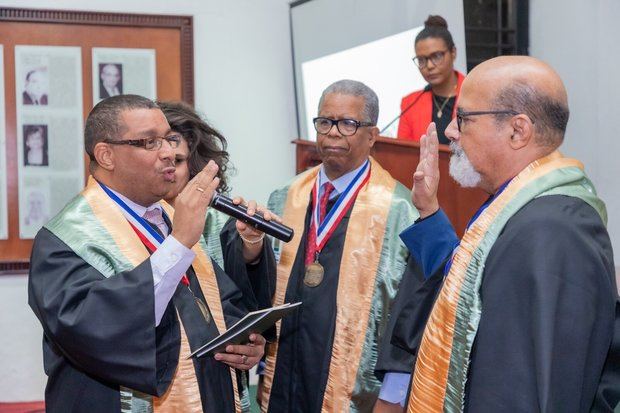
<point>461,168</point>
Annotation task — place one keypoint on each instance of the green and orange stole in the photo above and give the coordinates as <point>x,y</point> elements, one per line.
<point>443,359</point>
<point>93,226</point>
<point>373,261</point>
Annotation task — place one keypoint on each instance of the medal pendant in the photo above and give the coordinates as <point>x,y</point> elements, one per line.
<point>314,274</point>
<point>439,113</point>
<point>203,309</point>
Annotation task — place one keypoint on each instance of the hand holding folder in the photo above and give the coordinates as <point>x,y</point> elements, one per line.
<point>254,322</point>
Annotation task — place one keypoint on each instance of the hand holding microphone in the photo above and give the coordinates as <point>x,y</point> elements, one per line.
<point>247,232</point>
<point>255,218</point>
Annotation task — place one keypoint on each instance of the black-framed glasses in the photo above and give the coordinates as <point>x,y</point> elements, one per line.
<point>152,143</point>
<point>461,114</point>
<point>346,127</point>
<point>435,58</point>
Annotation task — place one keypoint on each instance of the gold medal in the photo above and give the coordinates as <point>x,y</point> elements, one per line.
<point>203,309</point>
<point>314,274</point>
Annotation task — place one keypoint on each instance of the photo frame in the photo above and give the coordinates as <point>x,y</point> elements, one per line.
<point>170,36</point>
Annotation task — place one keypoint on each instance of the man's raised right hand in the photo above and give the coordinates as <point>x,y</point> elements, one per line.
<point>426,175</point>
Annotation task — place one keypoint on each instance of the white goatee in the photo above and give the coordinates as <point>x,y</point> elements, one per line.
<point>461,168</point>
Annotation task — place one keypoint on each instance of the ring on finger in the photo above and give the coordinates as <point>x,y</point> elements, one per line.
<point>244,359</point>
<point>199,189</point>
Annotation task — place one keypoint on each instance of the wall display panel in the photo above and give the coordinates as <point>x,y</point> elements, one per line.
<point>164,43</point>
<point>50,164</point>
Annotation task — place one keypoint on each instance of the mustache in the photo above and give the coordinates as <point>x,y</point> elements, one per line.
<point>456,148</point>
<point>461,168</point>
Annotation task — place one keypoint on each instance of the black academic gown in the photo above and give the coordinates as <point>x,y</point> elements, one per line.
<point>257,282</point>
<point>549,334</point>
<point>393,358</point>
<point>99,333</point>
<point>306,336</point>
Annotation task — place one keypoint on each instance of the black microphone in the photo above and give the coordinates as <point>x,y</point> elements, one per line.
<point>427,88</point>
<point>275,229</point>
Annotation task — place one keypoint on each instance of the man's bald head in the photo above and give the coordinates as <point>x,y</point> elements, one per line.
<point>526,85</point>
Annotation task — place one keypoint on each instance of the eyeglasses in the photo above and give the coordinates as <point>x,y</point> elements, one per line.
<point>435,58</point>
<point>152,143</point>
<point>460,115</point>
<point>346,127</point>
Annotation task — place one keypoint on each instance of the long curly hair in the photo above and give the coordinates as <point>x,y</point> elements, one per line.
<point>204,141</point>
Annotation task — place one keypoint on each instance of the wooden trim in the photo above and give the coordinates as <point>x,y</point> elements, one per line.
<point>14,267</point>
<point>89,17</point>
<point>187,59</point>
<point>380,139</point>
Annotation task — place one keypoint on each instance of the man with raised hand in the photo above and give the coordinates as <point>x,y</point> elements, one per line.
<point>525,317</point>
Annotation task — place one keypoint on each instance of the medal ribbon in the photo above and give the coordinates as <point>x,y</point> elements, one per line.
<point>149,237</point>
<point>324,230</point>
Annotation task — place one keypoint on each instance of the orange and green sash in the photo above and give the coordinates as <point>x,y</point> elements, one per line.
<point>443,359</point>
<point>373,261</point>
<point>93,226</point>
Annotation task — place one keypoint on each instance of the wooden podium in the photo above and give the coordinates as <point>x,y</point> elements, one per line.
<point>401,158</point>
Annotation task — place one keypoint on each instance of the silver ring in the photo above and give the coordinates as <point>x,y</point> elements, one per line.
<point>244,359</point>
<point>199,189</point>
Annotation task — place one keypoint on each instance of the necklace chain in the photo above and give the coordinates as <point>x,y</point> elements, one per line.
<point>445,102</point>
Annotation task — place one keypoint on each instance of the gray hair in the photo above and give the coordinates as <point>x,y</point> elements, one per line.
<point>355,88</point>
<point>549,115</point>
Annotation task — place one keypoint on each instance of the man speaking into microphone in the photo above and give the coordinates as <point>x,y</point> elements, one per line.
<point>344,263</point>
<point>125,288</point>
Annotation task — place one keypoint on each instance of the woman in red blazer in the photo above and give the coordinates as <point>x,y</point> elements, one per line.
<point>434,56</point>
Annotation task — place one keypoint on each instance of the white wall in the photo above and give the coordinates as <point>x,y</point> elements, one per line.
<point>244,85</point>
<point>21,358</point>
<point>580,40</point>
<point>243,78</point>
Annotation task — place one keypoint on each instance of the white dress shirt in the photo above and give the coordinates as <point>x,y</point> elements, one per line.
<point>169,263</point>
<point>340,184</point>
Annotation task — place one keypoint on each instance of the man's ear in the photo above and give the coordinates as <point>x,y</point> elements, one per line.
<point>104,155</point>
<point>374,134</point>
<point>523,131</point>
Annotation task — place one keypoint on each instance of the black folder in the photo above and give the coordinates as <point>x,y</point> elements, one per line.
<point>254,322</point>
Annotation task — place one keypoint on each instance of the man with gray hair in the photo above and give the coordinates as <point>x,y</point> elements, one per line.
<point>345,263</point>
<point>526,316</point>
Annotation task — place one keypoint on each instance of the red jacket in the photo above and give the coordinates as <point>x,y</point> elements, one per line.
<point>414,122</point>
